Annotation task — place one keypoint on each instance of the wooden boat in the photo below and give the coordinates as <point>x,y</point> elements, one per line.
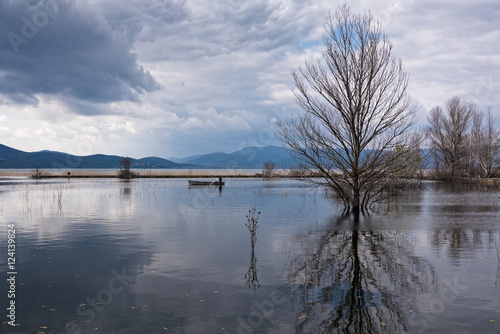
<point>205,183</point>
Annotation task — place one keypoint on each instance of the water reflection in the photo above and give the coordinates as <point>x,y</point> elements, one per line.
<point>458,243</point>
<point>355,281</point>
<point>127,191</point>
<point>252,273</point>
<point>463,187</point>
<point>497,280</point>
<point>187,259</point>
<point>82,279</point>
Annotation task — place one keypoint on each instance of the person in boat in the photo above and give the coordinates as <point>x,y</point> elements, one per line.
<point>220,179</point>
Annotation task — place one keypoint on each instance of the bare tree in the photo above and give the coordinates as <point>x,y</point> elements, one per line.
<point>448,132</point>
<point>415,155</point>
<point>485,144</point>
<point>125,165</point>
<point>37,174</point>
<point>356,111</point>
<point>268,168</point>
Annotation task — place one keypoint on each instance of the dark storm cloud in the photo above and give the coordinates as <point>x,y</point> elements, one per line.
<point>65,48</point>
<point>224,67</point>
<point>215,28</point>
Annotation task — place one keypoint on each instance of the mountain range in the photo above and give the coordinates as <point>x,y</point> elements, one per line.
<point>250,157</point>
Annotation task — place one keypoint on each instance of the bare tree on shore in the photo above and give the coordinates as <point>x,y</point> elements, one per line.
<point>355,129</point>
<point>463,140</point>
<point>125,165</point>
<point>485,144</point>
<point>448,133</point>
<point>37,174</point>
<point>268,169</point>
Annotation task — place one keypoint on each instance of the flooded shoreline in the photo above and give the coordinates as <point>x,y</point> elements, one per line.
<point>150,173</point>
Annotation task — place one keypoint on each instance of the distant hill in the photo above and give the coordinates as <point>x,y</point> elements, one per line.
<point>183,160</point>
<point>251,157</point>
<point>12,158</point>
<point>247,158</point>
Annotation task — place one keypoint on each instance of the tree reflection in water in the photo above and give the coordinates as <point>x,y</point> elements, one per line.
<point>458,243</point>
<point>355,281</point>
<point>497,280</point>
<point>252,274</point>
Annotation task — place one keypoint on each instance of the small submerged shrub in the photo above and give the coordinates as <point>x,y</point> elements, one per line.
<point>398,186</point>
<point>125,172</point>
<point>38,174</point>
<point>253,223</point>
<point>268,170</point>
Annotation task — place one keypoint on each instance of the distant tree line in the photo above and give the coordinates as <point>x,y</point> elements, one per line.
<point>463,140</point>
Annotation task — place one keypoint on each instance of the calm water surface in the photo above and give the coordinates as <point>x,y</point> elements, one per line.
<point>154,256</point>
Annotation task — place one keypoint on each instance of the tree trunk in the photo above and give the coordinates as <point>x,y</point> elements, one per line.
<point>356,207</point>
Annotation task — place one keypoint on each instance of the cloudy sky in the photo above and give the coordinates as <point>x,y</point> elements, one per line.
<point>181,77</point>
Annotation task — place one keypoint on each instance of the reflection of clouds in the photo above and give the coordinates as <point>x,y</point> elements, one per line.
<point>59,275</point>
<point>87,201</point>
<point>38,204</point>
<point>188,273</point>
<point>356,281</point>
<point>104,206</point>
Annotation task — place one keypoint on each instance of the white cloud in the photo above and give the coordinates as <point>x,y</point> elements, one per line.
<point>221,70</point>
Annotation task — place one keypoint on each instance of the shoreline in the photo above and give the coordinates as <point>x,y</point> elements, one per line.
<point>192,174</point>
<point>138,174</point>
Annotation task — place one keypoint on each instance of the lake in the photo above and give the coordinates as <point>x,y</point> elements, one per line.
<point>157,256</point>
